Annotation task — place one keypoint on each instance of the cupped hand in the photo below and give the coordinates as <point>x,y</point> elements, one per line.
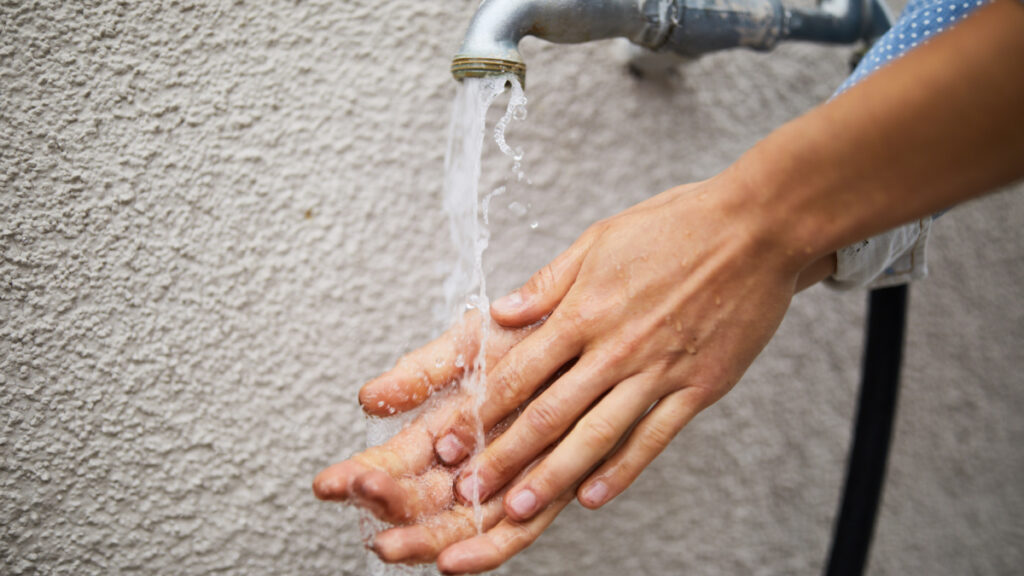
<point>658,312</point>
<point>402,483</point>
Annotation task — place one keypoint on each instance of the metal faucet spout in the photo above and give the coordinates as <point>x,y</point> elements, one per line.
<point>491,45</point>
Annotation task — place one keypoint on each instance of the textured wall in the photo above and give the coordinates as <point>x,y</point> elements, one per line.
<point>217,219</point>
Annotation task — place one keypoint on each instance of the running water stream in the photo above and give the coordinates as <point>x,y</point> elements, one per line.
<point>467,211</point>
<point>466,287</point>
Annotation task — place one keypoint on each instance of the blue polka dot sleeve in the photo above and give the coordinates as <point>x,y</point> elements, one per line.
<point>897,256</point>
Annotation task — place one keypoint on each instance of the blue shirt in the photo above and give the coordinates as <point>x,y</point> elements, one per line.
<point>897,256</point>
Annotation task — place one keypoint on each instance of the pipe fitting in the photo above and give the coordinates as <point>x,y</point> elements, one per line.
<point>491,45</point>
<point>710,25</point>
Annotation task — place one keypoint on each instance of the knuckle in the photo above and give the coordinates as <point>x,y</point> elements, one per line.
<point>620,353</point>
<point>542,281</point>
<point>508,386</point>
<point>497,468</point>
<point>463,425</point>
<point>656,436</point>
<point>543,418</point>
<point>520,534</point>
<point>573,323</point>
<point>546,482</point>
<point>413,367</point>
<point>702,396</point>
<point>600,433</point>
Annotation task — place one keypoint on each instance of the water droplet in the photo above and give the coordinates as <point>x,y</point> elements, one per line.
<point>534,225</point>
<point>517,208</point>
<point>438,362</point>
<point>460,361</point>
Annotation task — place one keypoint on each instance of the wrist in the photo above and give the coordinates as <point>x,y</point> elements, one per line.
<point>763,206</point>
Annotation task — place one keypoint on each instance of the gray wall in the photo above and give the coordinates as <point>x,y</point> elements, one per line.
<point>218,219</point>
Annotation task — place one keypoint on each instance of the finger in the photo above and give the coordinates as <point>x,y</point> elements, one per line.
<point>336,482</point>
<point>516,377</point>
<point>422,542</point>
<point>397,480</point>
<point>542,422</point>
<point>489,550</point>
<point>408,452</point>
<point>651,435</point>
<point>397,501</point>
<point>393,500</point>
<point>411,451</point>
<point>545,289</point>
<point>591,439</point>
<point>382,495</point>
<point>419,373</point>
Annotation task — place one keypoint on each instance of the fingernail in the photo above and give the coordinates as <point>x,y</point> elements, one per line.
<point>469,488</point>
<point>509,301</point>
<point>450,449</point>
<point>327,488</point>
<point>595,493</point>
<point>523,503</point>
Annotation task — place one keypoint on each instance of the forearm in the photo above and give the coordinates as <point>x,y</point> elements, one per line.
<point>941,125</point>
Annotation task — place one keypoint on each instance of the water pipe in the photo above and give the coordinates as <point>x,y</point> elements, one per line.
<point>687,27</point>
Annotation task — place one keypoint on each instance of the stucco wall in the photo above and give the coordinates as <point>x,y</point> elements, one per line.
<point>217,219</point>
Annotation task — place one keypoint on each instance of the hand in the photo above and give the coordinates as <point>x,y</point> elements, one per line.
<point>664,307</point>
<point>659,311</point>
<point>402,483</point>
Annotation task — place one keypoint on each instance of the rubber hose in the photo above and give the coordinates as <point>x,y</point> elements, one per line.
<point>876,411</point>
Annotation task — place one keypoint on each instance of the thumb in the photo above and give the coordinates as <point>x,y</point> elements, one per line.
<point>544,290</point>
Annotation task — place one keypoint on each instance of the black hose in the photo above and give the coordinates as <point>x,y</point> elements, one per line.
<point>876,411</point>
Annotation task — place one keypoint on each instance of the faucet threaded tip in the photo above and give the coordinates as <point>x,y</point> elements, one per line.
<point>470,67</point>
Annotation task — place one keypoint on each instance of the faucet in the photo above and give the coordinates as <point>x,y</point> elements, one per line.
<point>687,27</point>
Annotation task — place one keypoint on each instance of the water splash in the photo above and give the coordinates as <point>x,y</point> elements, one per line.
<point>518,209</point>
<point>378,431</point>
<point>516,110</point>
